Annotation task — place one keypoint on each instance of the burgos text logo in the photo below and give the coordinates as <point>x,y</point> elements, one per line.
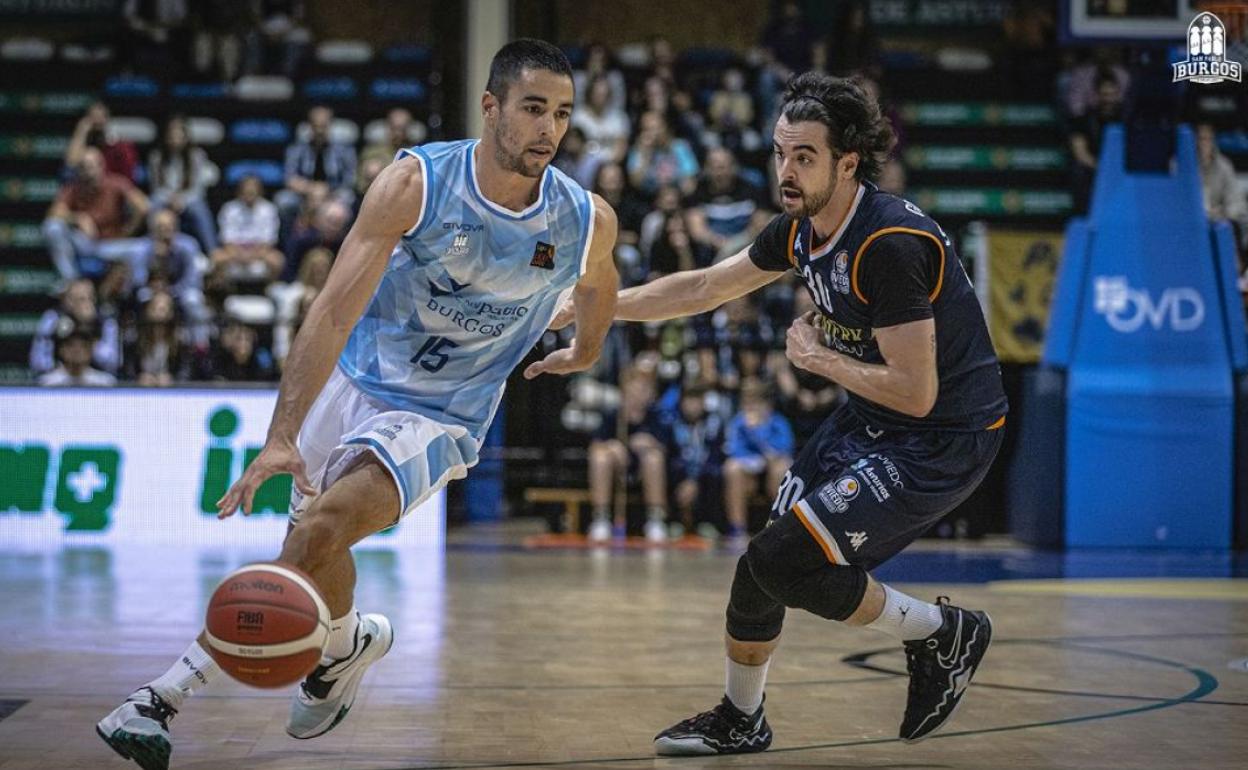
<point>1206,60</point>
<point>1127,310</point>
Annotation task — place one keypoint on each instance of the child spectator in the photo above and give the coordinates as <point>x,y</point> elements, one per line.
<point>73,352</point>
<point>759,445</point>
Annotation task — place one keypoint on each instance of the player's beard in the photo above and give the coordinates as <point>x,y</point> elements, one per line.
<point>812,203</point>
<point>516,162</point>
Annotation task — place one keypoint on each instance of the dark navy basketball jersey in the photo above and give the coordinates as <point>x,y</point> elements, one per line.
<point>888,264</point>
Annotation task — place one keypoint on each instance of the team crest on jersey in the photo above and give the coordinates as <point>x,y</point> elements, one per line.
<point>840,272</point>
<point>459,247</point>
<point>543,256</point>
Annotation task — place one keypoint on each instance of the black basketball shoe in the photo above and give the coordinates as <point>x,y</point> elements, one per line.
<point>724,729</point>
<point>941,667</point>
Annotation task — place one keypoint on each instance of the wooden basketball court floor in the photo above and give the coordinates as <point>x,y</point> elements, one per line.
<point>512,658</point>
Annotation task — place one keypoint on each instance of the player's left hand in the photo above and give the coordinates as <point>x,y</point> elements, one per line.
<point>802,341</point>
<point>562,361</point>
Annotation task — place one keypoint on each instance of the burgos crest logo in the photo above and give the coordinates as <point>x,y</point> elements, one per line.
<point>1206,53</point>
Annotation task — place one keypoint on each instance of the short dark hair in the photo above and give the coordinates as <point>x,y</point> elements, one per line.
<point>524,54</point>
<point>853,119</point>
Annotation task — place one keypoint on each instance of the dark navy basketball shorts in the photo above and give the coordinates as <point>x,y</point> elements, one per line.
<point>864,493</point>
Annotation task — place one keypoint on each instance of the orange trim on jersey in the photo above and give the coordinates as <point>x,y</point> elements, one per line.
<point>792,239</point>
<point>940,276</point>
<point>998,424</point>
<point>810,530</point>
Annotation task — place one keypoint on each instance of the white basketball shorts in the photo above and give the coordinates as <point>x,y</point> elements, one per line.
<point>421,454</point>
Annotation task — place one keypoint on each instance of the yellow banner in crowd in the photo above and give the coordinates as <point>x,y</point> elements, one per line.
<point>1022,270</point>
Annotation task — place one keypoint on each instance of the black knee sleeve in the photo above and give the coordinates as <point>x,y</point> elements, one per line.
<point>790,567</point>
<point>753,616</point>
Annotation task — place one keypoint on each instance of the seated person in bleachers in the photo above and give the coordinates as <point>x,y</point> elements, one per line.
<point>294,300</point>
<point>77,310</point>
<point>73,355</point>
<point>675,250</point>
<point>604,123</point>
<point>731,113</point>
<point>174,257</point>
<point>654,224</point>
<point>92,130</point>
<point>236,356</point>
<point>328,228</point>
<point>721,207</point>
<point>628,439</point>
<point>91,217</point>
<point>574,158</point>
<point>398,125</point>
<point>317,160</point>
<point>598,63</point>
<point>759,446</point>
<point>249,229</point>
<point>658,158</point>
<point>694,445</point>
<point>179,174</point>
<point>1223,194</point>
<point>158,355</point>
<point>1085,138</point>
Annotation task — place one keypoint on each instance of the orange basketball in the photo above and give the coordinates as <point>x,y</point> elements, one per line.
<point>266,625</point>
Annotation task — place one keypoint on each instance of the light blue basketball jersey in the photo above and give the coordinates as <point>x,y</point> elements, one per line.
<point>468,291</point>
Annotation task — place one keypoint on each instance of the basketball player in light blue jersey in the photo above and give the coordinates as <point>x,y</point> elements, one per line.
<point>447,279</point>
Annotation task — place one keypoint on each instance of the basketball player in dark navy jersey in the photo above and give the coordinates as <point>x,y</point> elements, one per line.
<point>899,327</point>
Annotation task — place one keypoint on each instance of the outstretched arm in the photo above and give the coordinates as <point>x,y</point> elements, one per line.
<point>594,299</point>
<point>686,293</point>
<point>391,206</point>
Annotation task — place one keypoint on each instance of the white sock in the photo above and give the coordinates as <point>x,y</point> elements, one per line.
<point>341,639</point>
<point>744,684</point>
<point>905,617</point>
<point>194,670</point>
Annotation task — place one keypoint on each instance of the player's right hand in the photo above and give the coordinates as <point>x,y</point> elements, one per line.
<point>565,315</point>
<point>276,457</point>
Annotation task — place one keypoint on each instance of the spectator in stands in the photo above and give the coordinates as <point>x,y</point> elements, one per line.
<point>599,64</point>
<point>73,354</point>
<point>789,45</point>
<point>249,230</point>
<point>893,177</point>
<point>724,201</point>
<point>654,223</point>
<point>77,310</point>
<point>159,356</point>
<point>89,214</point>
<point>627,440</point>
<point>92,130</point>
<point>611,183</point>
<point>398,136</point>
<point>281,34</point>
<point>675,250</point>
<point>219,29</point>
<point>759,444</point>
<point>237,357</point>
<point>1083,83</point>
<point>175,260</point>
<point>658,159</point>
<point>179,175</point>
<point>318,159</point>
<point>329,227</point>
<point>1222,192</point>
<point>574,158</point>
<point>605,125</point>
<point>294,300</point>
<point>731,113</point>
<point>694,446</point>
<point>1085,138</point>
<point>155,34</point>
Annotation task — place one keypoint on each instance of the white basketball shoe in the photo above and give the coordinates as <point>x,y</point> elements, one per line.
<point>327,694</point>
<point>139,729</point>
